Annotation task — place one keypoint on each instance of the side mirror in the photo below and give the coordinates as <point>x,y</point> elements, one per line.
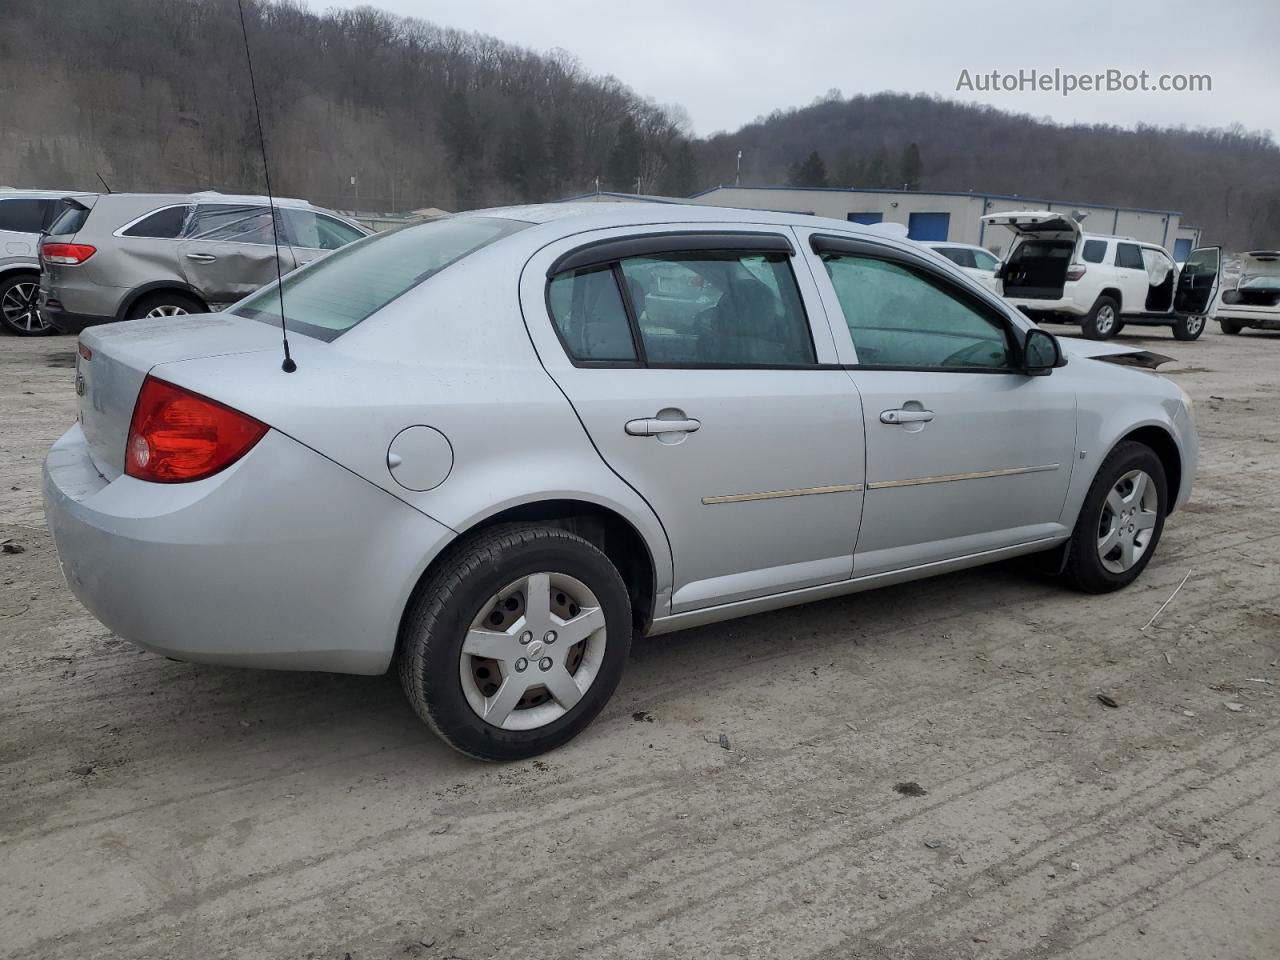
<point>1040,353</point>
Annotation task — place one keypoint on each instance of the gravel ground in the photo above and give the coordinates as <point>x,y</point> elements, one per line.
<point>921,772</point>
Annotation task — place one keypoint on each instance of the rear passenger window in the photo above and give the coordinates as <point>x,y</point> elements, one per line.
<point>22,215</point>
<point>1094,250</point>
<point>1129,256</point>
<point>589,314</point>
<point>899,319</point>
<point>958,255</point>
<point>164,224</point>
<point>718,309</point>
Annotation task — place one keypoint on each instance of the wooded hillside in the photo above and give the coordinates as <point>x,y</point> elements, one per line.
<point>154,95</point>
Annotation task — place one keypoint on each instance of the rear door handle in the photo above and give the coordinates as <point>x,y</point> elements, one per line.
<point>906,416</point>
<point>201,257</point>
<point>652,426</point>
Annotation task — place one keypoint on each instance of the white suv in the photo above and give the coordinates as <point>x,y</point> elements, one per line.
<point>1056,271</point>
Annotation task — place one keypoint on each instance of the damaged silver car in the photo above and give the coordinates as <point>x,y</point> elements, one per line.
<point>124,256</point>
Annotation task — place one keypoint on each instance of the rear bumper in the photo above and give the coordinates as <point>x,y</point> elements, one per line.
<point>1261,318</point>
<point>64,321</point>
<point>284,560</point>
<point>1065,307</point>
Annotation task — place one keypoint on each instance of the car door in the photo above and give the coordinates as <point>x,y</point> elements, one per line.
<point>232,251</point>
<point>313,235</point>
<point>965,453</point>
<point>1198,281</point>
<point>1131,273</point>
<point>701,365</point>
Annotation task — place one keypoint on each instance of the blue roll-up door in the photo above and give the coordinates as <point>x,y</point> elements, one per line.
<point>1182,249</point>
<point>866,218</point>
<point>928,226</point>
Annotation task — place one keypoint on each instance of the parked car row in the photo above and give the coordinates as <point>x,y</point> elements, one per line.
<point>74,260</point>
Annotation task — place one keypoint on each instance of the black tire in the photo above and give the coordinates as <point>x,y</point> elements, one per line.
<point>164,299</point>
<point>1230,327</point>
<point>1084,567</point>
<point>1096,325</point>
<point>18,321</point>
<point>1189,328</point>
<point>446,602</point>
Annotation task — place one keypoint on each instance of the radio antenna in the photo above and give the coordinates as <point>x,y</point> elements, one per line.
<point>288,366</point>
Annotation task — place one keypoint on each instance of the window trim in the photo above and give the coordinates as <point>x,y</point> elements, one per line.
<point>675,243</point>
<point>1015,336</point>
<point>599,252</point>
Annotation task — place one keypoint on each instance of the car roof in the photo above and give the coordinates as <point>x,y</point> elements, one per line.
<point>41,194</point>
<point>210,196</point>
<point>955,243</point>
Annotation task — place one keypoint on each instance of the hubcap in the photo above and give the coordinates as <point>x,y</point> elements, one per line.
<point>517,682</point>
<point>165,310</point>
<point>19,307</point>
<point>1194,325</point>
<point>1106,320</point>
<point>1128,521</point>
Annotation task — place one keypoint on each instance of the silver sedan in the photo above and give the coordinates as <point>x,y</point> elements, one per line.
<point>518,437</point>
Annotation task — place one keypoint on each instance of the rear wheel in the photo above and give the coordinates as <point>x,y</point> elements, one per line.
<point>1188,327</point>
<point>1230,327</point>
<point>1120,522</point>
<point>18,313</point>
<point>167,303</point>
<point>515,643</point>
<point>1103,321</point>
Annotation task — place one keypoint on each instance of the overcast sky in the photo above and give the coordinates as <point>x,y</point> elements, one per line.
<point>728,63</point>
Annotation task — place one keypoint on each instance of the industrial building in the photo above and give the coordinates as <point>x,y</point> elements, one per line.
<point>955,216</point>
<point>940,216</point>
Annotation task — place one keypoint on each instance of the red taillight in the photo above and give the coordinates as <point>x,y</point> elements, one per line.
<point>67,254</point>
<point>1075,272</point>
<point>177,436</point>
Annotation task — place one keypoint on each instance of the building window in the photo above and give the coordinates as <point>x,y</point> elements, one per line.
<point>928,226</point>
<point>865,218</point>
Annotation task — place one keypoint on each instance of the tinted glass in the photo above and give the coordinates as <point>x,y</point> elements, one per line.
<point>1094,250</point>
<point>318,232</point>
<point>958,255</point>
<point>164,224</point>
<point>1129,256</point>
<point>23,215</point>
<point>899,319</point>
<point>70,221</point>
<point>333,295</point>
<point>719,309</point>
<point>588,312</point>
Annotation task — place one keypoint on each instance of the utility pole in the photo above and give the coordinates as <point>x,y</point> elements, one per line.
<point>737,174</point>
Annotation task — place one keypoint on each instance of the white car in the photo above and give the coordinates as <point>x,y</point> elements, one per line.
<point>978,262</point>
<point>24,214</point>
<point>1057,272</point>
<point>1255,299</point>
<point>516,437</point>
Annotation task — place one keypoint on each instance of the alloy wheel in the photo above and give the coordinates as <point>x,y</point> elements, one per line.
<point>19,307</point>
<point>164,310</point>
<point>1105,320</point>
<point>1128,521</point>
<point>532,651</point>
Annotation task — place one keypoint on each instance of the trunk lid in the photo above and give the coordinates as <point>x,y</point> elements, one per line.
<point>1046,224</point>
<point>114,359</point>
<point>1260,263</point>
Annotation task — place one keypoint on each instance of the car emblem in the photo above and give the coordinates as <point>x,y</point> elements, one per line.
<point>79,384</point>
<point>535,649</point>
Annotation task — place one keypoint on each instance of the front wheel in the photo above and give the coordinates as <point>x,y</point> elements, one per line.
<point>1120,522</point>
<point>516,641</point>
<point>1188,328</point>
<point>1103,321</point>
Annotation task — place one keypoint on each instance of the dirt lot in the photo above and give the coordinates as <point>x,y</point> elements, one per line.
<point>156,809</point>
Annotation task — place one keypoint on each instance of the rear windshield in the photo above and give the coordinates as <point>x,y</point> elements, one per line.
<point>70,221</point>
<point>353,283</point>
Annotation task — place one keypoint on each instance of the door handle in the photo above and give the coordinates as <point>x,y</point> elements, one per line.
<point>906,416</point>
<point>201,257</point>
<point>652,426</point>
